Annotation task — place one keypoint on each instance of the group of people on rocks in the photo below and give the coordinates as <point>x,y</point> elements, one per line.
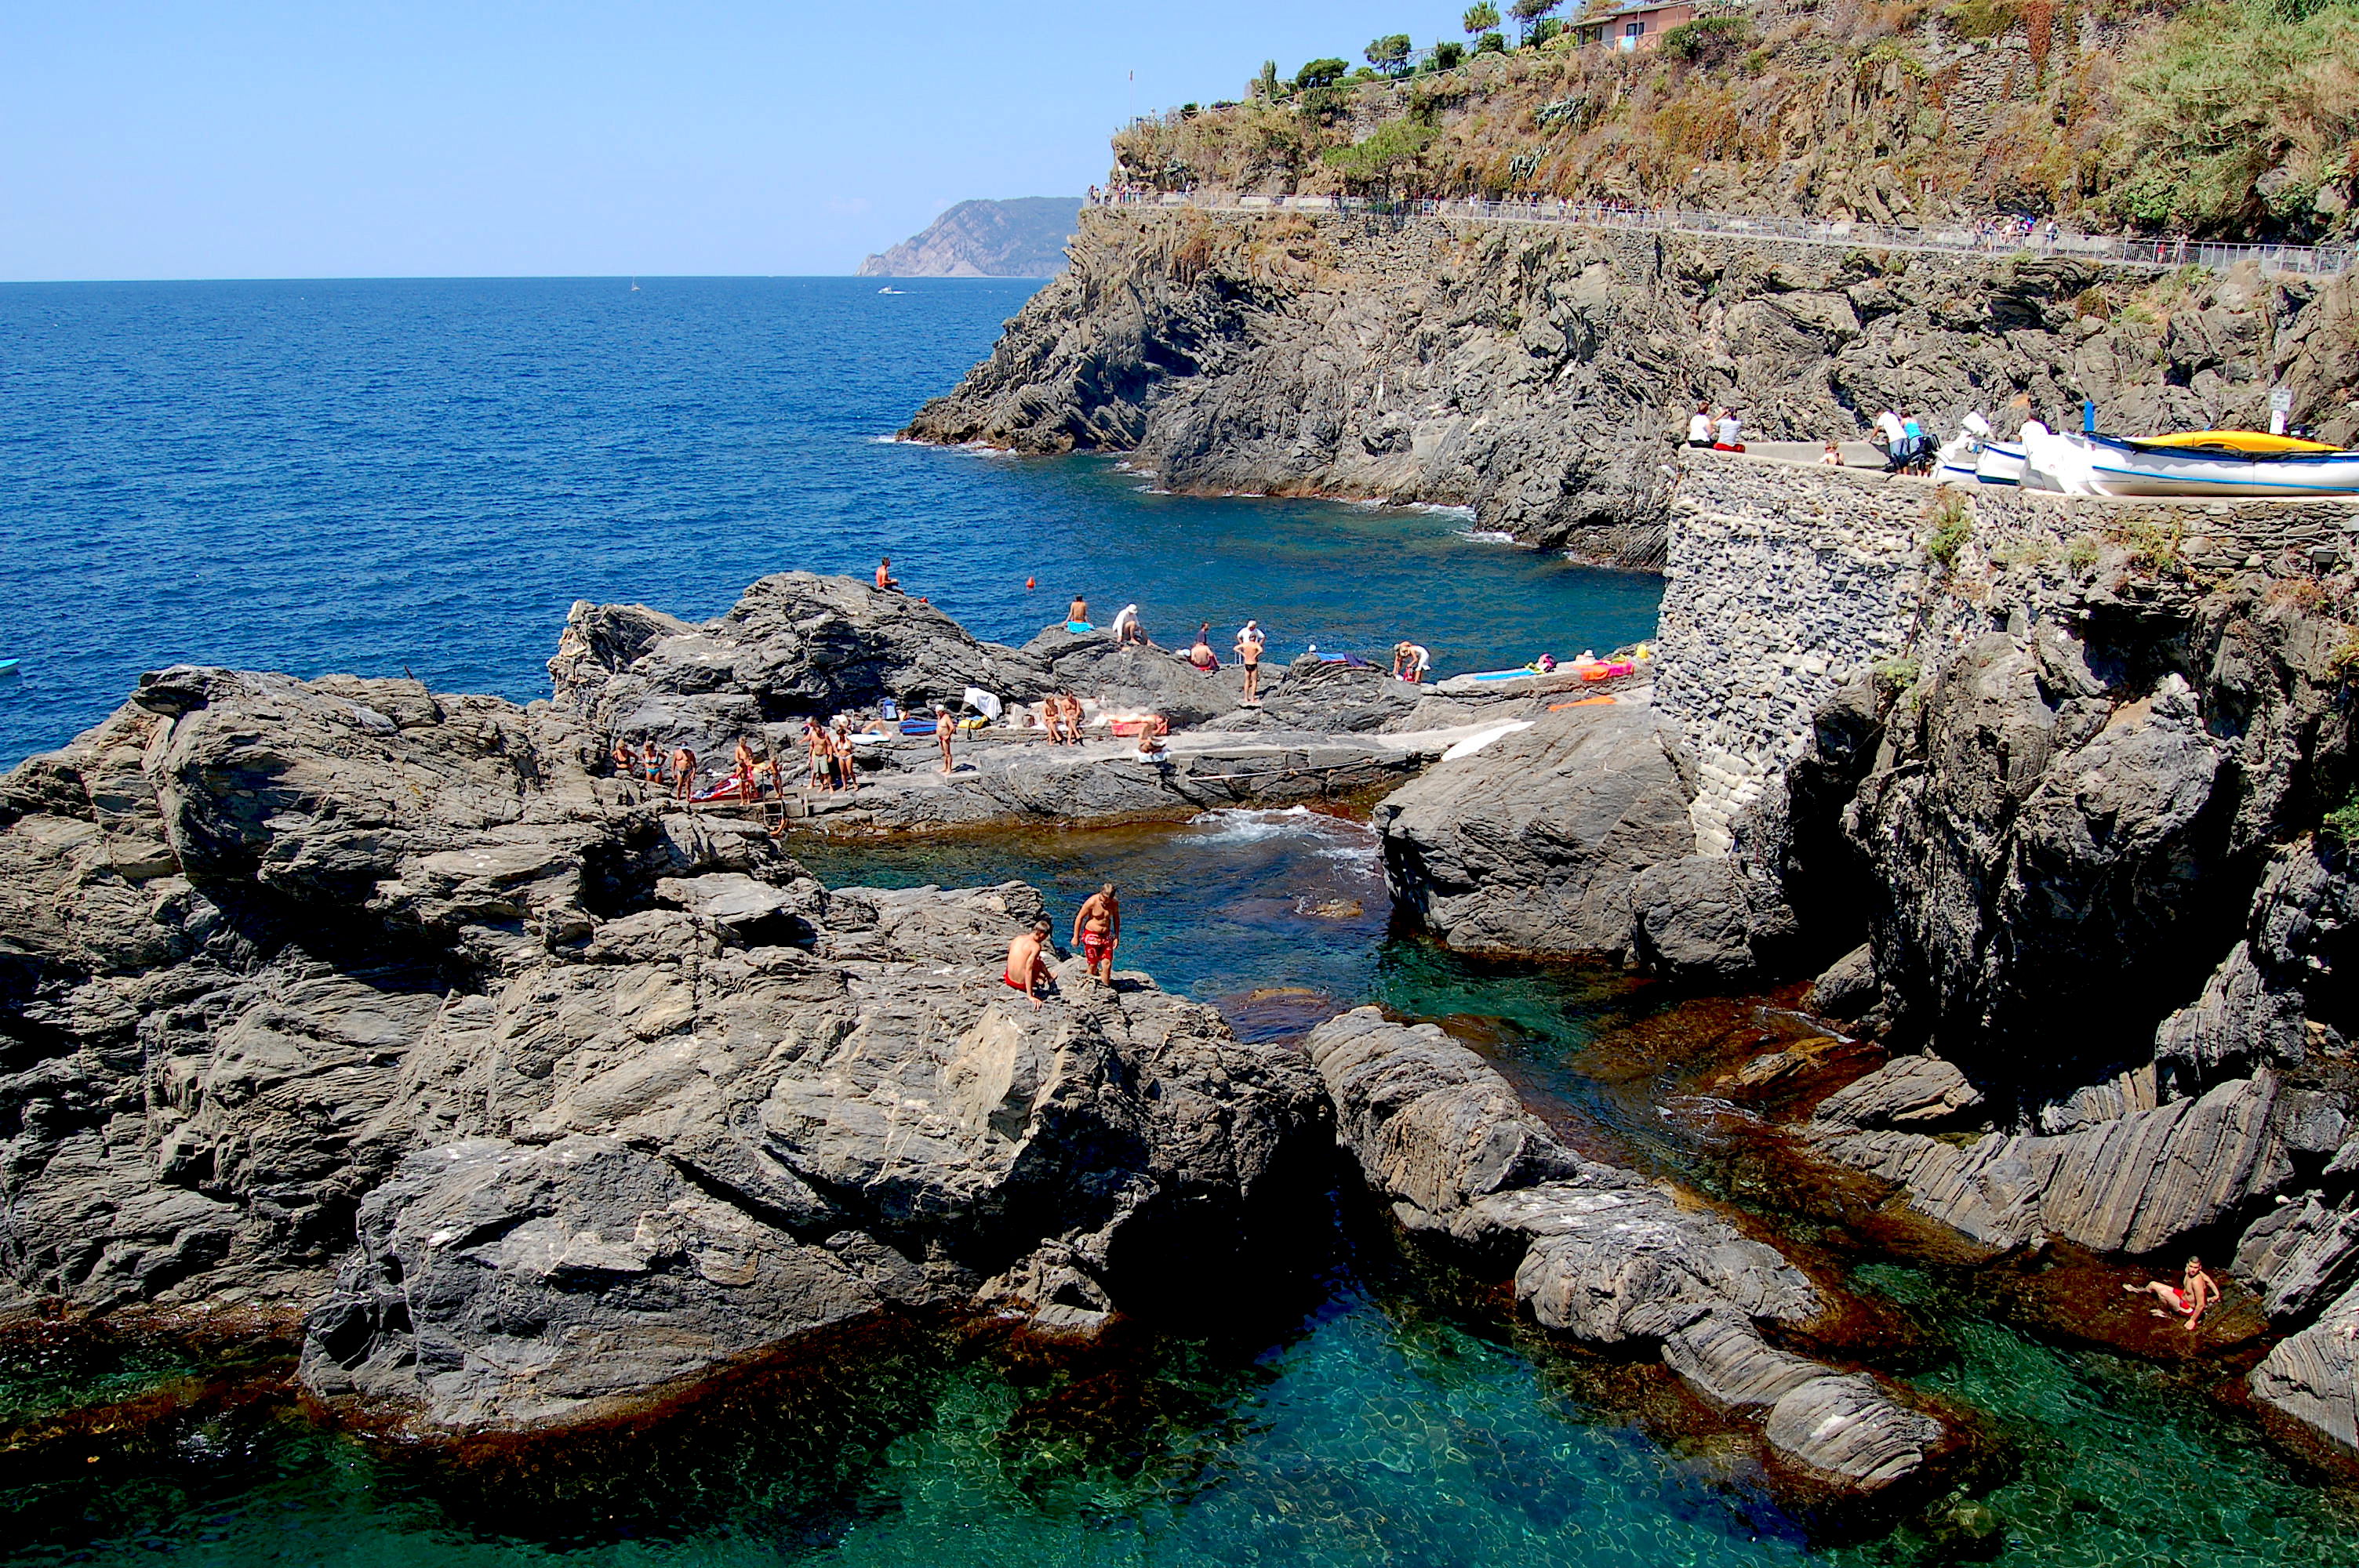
<point>1097,932</point>
<point>1130,631</point>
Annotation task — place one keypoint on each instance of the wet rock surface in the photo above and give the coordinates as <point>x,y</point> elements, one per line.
<point>1600,1254</point>
<point>349,1000</point>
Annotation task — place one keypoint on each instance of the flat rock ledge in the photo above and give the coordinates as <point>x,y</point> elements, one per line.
<point>1605,1256</point>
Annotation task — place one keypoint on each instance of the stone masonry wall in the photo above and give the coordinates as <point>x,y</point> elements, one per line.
<point>1785,581</point>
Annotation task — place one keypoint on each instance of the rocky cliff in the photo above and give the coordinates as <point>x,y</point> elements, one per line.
<point>1539,374</point>
<point>1022,238</point>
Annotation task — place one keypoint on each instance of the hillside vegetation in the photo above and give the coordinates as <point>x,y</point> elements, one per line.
<point>2227,118</point>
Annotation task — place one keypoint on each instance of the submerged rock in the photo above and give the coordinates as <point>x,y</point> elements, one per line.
<point>1599,1253</point>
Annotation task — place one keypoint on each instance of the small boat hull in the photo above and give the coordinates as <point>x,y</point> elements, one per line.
<point>2117,467</point>
<point>1999,463</point>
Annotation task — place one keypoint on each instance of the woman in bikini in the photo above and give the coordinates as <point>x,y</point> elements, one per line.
<point>651,765</point>
<point>2195,1292</point>
<point>1071,706</point>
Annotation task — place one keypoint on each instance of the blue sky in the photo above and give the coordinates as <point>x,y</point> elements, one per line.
<point>342,138</point>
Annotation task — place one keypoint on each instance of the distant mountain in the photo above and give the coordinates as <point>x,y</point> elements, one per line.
<point>1023,238</point>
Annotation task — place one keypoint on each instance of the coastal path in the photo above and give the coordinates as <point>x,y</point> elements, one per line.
<point>1962,239</point>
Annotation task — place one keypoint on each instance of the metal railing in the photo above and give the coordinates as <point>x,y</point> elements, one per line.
<point>2111,250</point>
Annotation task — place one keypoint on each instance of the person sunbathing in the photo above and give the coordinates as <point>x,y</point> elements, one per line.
<point>1201,653</point>
<point>2195,1292</point>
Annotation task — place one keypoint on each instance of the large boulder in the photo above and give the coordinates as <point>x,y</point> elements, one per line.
<point>1532,842</point>
<point>2312,1379</point>
<point>795,644</point>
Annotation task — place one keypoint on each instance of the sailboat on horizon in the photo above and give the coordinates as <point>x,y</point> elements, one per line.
<point>635,286</point>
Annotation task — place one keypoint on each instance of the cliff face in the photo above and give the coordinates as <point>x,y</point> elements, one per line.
<point>1537,374</point>
<point>1022,238</point>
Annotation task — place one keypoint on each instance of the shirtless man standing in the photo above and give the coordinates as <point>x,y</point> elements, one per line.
<point>1249,646</point>
<point>1028,967</point>
<point>1097,931</point>
<point>944,728</point>
<point>683,773</point>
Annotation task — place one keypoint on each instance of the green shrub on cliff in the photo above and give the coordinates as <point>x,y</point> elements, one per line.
<point>2236,113</point>
<point>1708,40</point>
<point>2342,824</point>
<point>1374,161</point>
<point>1953,524</point>
<point>1324,72</point>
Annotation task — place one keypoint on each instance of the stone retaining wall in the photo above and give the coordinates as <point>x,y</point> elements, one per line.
<point>1785,581</point>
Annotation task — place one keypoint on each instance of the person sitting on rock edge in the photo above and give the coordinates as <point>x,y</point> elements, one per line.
<point>1077,616</point>
<point>1127,629</point>
<point>886,580</point>
<point>2196,1291</point>
<point>1700,426</point>
<point>1027,965</point>
<point>1071,706</point>
<point>1200,653</point>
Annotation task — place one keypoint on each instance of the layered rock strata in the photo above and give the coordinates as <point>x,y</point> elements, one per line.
<point>347,1000</point>
<point>1600,1254</point>
<point>1538,374</point>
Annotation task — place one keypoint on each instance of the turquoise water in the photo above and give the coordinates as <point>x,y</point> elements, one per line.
<point>368,476</point>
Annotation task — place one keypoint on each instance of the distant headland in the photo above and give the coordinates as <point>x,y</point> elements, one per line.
<point>1020,238</point>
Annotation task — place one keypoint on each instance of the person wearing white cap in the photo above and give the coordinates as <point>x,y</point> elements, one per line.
<point>1250,642</point>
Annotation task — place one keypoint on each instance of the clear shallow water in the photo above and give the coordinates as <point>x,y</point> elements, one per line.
<point>369,476</point>
<point>422,475</point>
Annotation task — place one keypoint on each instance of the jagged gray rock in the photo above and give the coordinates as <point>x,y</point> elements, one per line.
<point>1707,918</point>
<point>2312,1377</point>
<point>2136,1183</point>
<point>795,644</point>
<point>1600,1254</point>
<point>1532,844</point>
<point>1847,988</point>
<point>611,1097</point>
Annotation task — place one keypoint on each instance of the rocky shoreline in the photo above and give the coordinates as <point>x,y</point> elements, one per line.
<point>1543,378</point>
<point>536,1102</point>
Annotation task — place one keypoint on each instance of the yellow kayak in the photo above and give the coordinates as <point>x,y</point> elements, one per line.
<point>2252,443</point>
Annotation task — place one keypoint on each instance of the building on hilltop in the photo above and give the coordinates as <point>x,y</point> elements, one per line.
<point>1635,26</point>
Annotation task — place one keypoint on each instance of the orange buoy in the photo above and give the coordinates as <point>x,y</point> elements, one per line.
<point>1029,582</point>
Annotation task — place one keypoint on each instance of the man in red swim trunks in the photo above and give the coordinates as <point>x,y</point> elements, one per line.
<point>1097,931</point>
<point>1028,967</point>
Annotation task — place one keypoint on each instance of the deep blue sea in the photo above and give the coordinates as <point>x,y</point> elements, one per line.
<point>371,477</point>
<point>423,475</point>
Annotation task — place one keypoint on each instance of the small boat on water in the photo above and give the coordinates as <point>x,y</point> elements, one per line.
<point>8,667</point>
<point>2198,462</point>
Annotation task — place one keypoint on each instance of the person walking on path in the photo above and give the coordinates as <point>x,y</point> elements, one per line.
<point>886,580</point>
<point>1027,965</point>
<point>1250,643</point>
<point>1097,931</point>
